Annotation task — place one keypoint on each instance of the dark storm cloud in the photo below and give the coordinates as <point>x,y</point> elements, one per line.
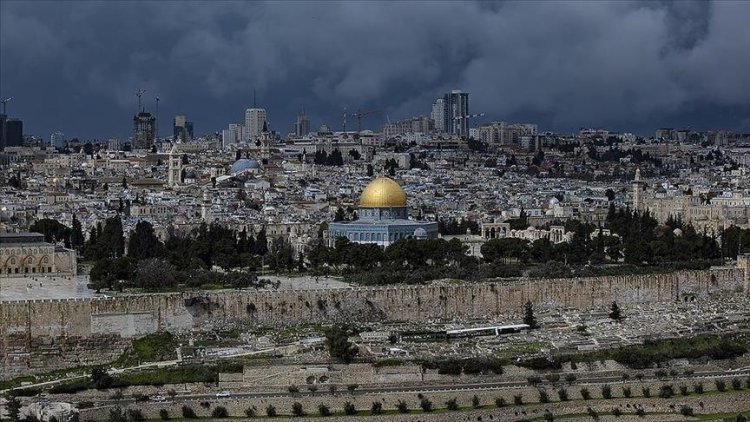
<point>74,66</point>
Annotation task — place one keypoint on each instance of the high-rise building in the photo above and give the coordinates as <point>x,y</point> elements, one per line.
<point>456,114</point>
<point>11,132</point>
<point>302,125</point>
<point>255,121</point>
<point>57,139</point>
<point>144,130</point>
<point>235,134</point>
<point>182,130</point>
<point>438,115</point>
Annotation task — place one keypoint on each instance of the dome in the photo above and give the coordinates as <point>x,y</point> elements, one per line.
<point>382,192</point>
<point>244,164</point>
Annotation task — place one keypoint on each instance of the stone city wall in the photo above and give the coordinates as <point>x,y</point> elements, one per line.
<point>84,330</point>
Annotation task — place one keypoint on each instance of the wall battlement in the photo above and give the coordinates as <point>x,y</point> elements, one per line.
<point>41,335</point>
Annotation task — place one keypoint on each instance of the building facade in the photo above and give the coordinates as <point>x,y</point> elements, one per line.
<point>27,254</point>
<point>11,132</point>
<point>383,218</point>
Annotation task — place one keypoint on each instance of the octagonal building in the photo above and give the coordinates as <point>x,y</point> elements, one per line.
<point>383,218</point>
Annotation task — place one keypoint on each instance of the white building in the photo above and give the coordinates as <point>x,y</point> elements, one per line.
<point>255,119</point>
<point>234,135</point>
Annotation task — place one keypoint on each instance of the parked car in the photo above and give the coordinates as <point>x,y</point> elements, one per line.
<point>223,395</point>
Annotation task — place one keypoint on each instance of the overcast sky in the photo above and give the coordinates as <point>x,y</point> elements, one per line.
<point>628,66</point>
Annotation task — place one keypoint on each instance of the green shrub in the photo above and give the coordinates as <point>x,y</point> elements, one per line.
<point>646,392</point>
<point>518,399</point>
<point>684,390</point>
<point>188,413</point>
<point>616,412</point>
<point>585,393</point>
<point>297,410</point>
<point>543,396</point>
<point>271,411</point>
<point>534,380</point>
<point>627,392</point>
<point>698,388</point>
<point>377,408</point>
<point>500,402</point>
<point>251,412</point>
<point>220,412</point>
<point>736,384</point>
<point>451,404</point>
<point>666,391</point>
<point>349,409</point>
<point>164,414</point>
<point>563,394</point>
<point>606,391</point>
<point>720,385</point>
<point>402,407</point>
<point>426,405</point>
<point>475,402</point>
<point>686,410</point>
<point>323,410</point>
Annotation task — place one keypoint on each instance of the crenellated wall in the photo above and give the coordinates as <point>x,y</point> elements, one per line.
<point>43,335</point>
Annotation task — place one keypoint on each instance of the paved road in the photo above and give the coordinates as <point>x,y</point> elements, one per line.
<point>439,388</point>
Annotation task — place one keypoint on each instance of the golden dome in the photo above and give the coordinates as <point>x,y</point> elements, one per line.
<point>382,192</point>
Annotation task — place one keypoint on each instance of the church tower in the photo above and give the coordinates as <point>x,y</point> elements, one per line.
<point>175,167</point>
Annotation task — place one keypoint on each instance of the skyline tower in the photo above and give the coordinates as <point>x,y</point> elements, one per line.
<point>302,125</point>
<point>255,121</point>
<point>456,113</point>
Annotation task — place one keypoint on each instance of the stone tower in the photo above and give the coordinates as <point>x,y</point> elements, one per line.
<point>175,167</point>
<point>206,207</point>
<point>637,190</point>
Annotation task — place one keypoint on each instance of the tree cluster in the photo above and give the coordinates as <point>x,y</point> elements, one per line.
<point>324,159</point>
<point>457,227</point>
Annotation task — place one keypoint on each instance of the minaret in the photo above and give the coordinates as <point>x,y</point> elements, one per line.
<point>175,167</point>
<point>637,190</point>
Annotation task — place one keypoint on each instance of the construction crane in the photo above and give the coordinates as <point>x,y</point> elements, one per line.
<point>139,94</point>
<point>5,101</point>
<point>359,114</point>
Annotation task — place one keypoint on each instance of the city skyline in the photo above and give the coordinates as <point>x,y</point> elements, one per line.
<point>625,66</point>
